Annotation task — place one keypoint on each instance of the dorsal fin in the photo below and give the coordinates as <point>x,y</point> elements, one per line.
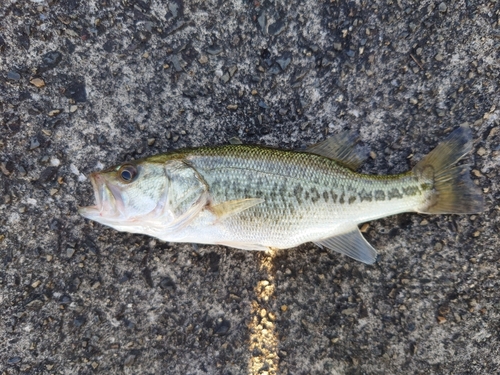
<point>235,141</point>
<point>342,148</point>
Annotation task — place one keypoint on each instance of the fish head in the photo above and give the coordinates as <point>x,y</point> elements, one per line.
<point>128,197</point>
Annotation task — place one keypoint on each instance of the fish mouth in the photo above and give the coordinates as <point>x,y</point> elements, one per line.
<point>107,202</point>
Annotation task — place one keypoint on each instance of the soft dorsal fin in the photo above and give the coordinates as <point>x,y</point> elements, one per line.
<point>341,147</point>
<point>352,244</point>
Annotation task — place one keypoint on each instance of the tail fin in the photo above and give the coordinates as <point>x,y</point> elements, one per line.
<point>452,190</point>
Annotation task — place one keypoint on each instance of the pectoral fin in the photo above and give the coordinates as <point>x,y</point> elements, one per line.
<point>352,244</point>
<point>229,208</point>
<point>341,147</point>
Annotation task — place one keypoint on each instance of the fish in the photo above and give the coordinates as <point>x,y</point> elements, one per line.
<point>253,197</point>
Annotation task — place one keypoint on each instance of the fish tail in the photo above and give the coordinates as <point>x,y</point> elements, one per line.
<point>449,188</point>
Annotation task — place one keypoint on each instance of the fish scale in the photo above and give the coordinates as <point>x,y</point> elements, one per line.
<point>293,185</point>
<point>257,198</point>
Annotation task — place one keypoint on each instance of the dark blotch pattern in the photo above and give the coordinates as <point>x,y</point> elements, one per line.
<point>315,195</point>
<point>394,193</point>
<point>411,191</point>
<point>379,195</point>
<point>297,191</point>
<point>365,195</point>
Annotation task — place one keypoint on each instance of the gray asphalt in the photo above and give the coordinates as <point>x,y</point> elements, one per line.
<point>87,84</point>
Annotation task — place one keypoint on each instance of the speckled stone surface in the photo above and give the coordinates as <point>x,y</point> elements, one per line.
<point>86,84</point>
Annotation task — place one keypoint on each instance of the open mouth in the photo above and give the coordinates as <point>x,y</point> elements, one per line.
<point>105,201</point>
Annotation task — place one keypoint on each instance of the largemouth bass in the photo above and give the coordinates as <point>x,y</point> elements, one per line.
<point>260,198</point>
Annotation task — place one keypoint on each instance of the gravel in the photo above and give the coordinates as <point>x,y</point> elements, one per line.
<point>136,78</point>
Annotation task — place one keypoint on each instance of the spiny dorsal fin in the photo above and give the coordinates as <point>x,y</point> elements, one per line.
<point>235,141</point>
<point>352,244</point>
<point>229,208</point>
<point>341,147</point>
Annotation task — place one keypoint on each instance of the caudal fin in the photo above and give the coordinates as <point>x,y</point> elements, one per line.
<point>451,188</point>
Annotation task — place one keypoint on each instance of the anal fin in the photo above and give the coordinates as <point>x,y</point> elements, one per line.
<point>352,244</point>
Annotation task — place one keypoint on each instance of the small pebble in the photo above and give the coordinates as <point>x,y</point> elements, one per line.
<point>283,62</point>
<point>233,70</point>
<point>443,7</point>
<point>13,76</point>
<point>476,173</point>
<point>54,112</point>
<point>254,92</point>
<point>439,57</point>
<point>225,77</point>
<point>73,108</point>
<point>4,169</point>
<point>284,308</point>
<point>203,59</point>
<point>70,252</point>
<point>14,360</point>
<point>38,82</point>
<point>232,107</point>
<point>151,141</point>
<point>36,284</point>
<point>214,50</point>
<point>349,311</point>
<point>441,319</point>
<point>481,151</point>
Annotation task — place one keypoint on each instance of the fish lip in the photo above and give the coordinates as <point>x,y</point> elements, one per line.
<point>92,211</point>
<point>105,199</point>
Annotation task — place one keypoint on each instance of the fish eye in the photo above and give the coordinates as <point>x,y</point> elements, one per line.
<point>128,173</point>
